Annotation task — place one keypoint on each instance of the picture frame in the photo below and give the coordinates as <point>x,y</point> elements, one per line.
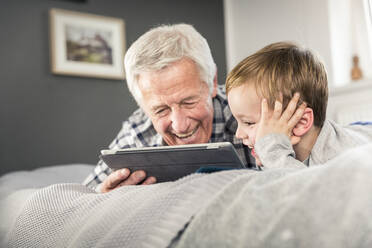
<point>86,45</point>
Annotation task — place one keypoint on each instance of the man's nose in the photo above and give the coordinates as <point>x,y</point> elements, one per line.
<point>179,120</point>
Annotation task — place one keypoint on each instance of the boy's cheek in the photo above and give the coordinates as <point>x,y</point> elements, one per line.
<point>258,161</point>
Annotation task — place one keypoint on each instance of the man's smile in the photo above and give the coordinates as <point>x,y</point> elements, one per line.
<point>186,135</point>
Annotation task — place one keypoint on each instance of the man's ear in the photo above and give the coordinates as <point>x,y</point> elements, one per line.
<point>214,92</point>
<point>304,125</point>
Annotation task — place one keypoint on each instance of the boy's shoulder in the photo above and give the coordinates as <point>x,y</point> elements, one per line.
<point>335,139</point>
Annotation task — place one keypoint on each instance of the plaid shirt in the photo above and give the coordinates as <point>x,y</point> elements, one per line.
<point>138,131</point>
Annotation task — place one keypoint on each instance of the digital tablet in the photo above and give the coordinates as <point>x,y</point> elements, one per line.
<point>168,163</point>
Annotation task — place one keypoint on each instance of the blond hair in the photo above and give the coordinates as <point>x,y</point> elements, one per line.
<point>287,68</point>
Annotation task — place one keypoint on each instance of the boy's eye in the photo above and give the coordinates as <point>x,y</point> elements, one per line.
<point>249,123</point>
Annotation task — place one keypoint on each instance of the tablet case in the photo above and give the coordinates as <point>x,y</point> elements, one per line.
<point>168,163</point>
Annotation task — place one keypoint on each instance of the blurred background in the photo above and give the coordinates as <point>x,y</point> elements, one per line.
<point>48,119</point>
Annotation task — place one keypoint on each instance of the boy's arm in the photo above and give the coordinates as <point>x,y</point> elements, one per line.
<point>275,151</point>
<point>274,137</point>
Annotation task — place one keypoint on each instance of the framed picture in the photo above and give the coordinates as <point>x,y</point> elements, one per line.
<point>86,45</point>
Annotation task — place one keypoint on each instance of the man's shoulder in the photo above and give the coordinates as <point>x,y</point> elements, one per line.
<point>138,116</point>
<point>222,110</point>
<point>221,101</point>
<point>221,92</point>
<point>138,120</point>
<point>137,131</point>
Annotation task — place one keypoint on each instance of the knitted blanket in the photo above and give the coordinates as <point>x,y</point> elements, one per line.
<point>324,206</point>
<point>72,215</point>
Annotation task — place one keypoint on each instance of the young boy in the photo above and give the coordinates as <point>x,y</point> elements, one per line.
<point>283,75</point>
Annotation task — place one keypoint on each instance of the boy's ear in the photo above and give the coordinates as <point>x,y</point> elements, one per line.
<point>304,125</point>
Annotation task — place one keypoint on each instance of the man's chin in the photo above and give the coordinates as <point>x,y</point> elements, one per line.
<point>187,141</point>
<point>193,139</point>
<point>197,137</point>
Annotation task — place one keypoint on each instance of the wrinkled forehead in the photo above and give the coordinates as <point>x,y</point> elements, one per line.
<point>173,94</point>
<point>169,92</point>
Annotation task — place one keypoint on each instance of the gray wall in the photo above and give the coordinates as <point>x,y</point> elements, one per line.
<point>48,119</point>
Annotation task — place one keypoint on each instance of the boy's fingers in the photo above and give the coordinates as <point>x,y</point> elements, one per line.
<point>295,140</point>
<point>296,117</point>
<point>277,109</point>
<point>264,109</point>
<point>291,108</point>
<point>281,97</point>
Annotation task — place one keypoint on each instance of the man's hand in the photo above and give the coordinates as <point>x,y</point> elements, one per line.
<point>278,121</point>
<point>124,177</point>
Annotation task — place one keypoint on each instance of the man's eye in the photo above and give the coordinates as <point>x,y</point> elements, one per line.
<point>189,103</point>
<point>160,111</point>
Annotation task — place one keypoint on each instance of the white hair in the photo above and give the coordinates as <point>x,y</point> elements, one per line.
<point>163,45</point>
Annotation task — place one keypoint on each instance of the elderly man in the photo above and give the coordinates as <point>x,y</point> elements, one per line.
<point>172,76</point>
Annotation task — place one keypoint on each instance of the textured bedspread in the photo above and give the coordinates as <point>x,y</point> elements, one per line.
<point>71,215</point>
<point>16,187</point>
<point>325,206</point>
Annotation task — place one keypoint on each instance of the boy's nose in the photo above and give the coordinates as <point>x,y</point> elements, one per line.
<point>239,133</point>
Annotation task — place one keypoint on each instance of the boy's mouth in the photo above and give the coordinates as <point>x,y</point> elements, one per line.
<point>253,152</point>
<point>258,161</point>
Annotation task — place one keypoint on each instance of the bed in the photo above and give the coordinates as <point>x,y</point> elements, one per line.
<point>323,206</point>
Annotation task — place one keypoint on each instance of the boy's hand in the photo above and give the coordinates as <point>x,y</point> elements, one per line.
<point>280,122</point>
